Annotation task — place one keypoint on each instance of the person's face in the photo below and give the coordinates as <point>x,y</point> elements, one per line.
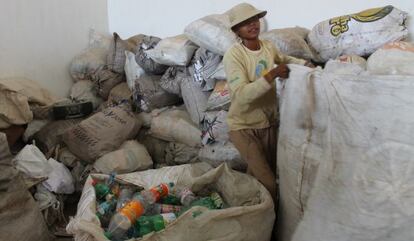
<point>249,29</point>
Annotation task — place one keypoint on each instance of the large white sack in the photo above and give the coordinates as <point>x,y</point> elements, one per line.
<point>299,148</point>
<point>31,161</point>
<point>250,217</point>
<point>59,179</point>
<point>346,64</point>
<point>361,33</point>
<point>290,41</point>
<point>212,32</point>
<point>364,185</point>
<point>177,50</point>
<point>203,67</point>
<point>131,156</point>
<point>172,78</point>
<point>214,127</point>
<point>132,70</point>
<point>32,128</point>
<point>175,126</point>
<point>178,153</point>
<point>394,58</point>
<point>84,90</point>
<point>218,153</point>
<point>84,65</point>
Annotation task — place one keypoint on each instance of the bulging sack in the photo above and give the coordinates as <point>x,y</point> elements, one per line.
<point>175,126</point>
<point>203,67</point>
<point>361,33</point>
<point>148,94</point>
<point>220,97</point>
<point>173,51</point>
<point>195,99</point>
<point>116,55</point>
<point>104,80</point>
<point>250,216</point>
<point>346,64</point>
<point>172,79</point>
<point>132,70</point>
<point>178,153</point>
<point>215,128</point>
<point>85,91</point>
<point>212,32</point>
<point>218,153</point>
<point>131,156</point>
<point>101,133</point>
<point>144,61</point>
<point>119,94</point>
<point>84,66</point>
<point>362,190</point>
<point>395,58</point>
<point>290,41</point>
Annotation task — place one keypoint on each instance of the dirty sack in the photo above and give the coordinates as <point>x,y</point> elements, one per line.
<point>155,146</point>
<point>195,99</point>
<point>395,58</point>
<point>16,97</point>
<point>360,34</point>
<point>172,79</point>
<point>84,90</point>
<point>362,190</point>
<point>101,133</point>
<point>59,178</point>
<point>131,156</point>
<point>212,32</point>
<point>173,51</point>
<point>203,67</point>
<point>20,216</point>
<point>214,127</point>
<point>87,63</point>
<point>291,41</point>
<point>31,161</point>
<point>346,64</point>
<point>132,70</point>
<point>148,94</point>
<point>249,218</point>
<point>175,125</point>
<point>32,128</point>
<point>104,80</point>
<point>116,56</point>
<point>218,153</point>
<point>119,94</point>
<point>51,134</point>
<point>219,99</point>
<point>144,60</point>
<point>178,153</point>
<point>299,147</point>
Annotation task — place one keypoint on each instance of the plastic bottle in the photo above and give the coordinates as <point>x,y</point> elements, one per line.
<point>171,199</point>
<point>127,216</point>
<point>218,201</point>
<point>148,224</point>
<point>158,208</point>
<point>105,210</point>
<point>101,189</point>
<point>186,196</point>
<point>125,195</point>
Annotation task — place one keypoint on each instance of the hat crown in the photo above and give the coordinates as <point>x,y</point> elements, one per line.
<point>242,12</point>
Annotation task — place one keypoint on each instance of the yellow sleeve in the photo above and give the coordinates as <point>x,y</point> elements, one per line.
<point>239,83</point>
<point>282,58</point>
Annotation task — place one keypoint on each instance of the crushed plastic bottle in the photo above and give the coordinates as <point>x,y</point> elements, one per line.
<point>158,208</point>
<point>186,196</point>
<point>125,195</point>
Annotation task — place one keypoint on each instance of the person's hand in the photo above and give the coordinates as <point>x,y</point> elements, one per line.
<point>282,71</point>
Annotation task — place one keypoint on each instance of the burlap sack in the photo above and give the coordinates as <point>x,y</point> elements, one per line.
<point>249,218</point>
<point>105,80</point>
<point>116,56</point>
<point>101,133</point>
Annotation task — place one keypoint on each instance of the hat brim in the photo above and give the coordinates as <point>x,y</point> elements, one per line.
<point>260,14</point>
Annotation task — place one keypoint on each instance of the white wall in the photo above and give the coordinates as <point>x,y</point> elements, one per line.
<point>166,18</point>
<point>39,38</point>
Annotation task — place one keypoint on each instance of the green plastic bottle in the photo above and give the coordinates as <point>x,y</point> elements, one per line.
<point>171,200</point>
<point>101,189</point>
<point>148,224</point>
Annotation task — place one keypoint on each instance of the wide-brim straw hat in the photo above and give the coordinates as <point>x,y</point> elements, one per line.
<point>242,12</point>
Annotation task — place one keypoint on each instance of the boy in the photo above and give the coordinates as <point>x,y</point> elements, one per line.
<point>253,116</point>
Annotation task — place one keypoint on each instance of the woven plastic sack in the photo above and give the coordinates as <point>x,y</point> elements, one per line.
<point>250,216</point>
<point>203,67</point>
<point>132,70</point>
<point>84,66</point>
<point>346,65</point>
<point>220,97</point>
<point>214,127</point>
<point>195,99</point>
<point>172,79</point>
<point>218,153</point>
<point>360,34</point>
<point>104,80</point>
<point>85,91</point>
<point>290,41</point>
<point>178,153</point>
<point>172,51</point>
<point>393,59</point>
<point>131,156</point>
<point>144,60</point>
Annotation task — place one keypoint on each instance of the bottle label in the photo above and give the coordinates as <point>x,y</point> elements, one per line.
<point>132,210</point>
<point>165,208</point>
<point>168,218</point>
<point>159,191</point>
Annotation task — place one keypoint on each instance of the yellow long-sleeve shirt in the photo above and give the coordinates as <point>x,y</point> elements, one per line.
<point>253,99</point>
